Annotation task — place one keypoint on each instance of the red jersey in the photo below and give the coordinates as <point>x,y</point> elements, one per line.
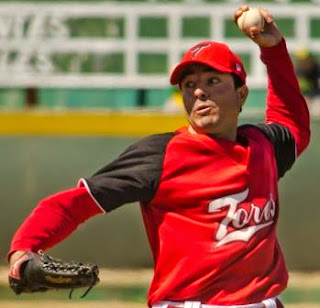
<point>212,221</point>
<point>210,205</point>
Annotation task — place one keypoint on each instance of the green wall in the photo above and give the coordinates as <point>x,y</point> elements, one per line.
<point>34,167</point>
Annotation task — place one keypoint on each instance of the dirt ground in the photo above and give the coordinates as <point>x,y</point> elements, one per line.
<point>53,304</point>
<point>109,304</point>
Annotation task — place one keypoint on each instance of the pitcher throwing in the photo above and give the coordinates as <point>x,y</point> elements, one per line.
<point>209,191</point>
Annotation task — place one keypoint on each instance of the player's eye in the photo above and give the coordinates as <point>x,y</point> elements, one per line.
<point>189,84</point>
<point>213,80</point>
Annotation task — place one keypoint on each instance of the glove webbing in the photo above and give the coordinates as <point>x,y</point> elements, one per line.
<point>56,265</point>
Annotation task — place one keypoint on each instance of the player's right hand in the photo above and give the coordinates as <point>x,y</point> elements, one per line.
<point>270,36</point>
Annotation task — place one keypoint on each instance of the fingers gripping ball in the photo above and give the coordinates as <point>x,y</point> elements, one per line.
<point>249,19</point>
<point>37,272</point>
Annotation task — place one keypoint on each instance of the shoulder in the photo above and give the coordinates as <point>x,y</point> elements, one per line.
<point>272,131</point>
<point>279,137</point>
<point>157,138</point>
<point>252,131</point>
<point>153,142</point>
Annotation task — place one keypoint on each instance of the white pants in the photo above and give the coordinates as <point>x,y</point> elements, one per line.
<point>267,303</point>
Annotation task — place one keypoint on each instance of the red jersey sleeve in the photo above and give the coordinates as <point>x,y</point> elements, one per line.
<point>54,219</point>
<point>285,103</point>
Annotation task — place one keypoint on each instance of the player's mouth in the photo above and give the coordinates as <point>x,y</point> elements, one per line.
<point>203,109</point>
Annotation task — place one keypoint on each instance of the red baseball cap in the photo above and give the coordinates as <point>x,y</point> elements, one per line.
<point>213,54</point>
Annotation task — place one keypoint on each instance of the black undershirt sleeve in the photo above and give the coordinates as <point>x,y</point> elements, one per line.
<point>284,145</point>
<point>133,176</point>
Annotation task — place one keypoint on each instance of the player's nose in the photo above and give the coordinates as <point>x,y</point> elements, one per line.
<point>200,94</point>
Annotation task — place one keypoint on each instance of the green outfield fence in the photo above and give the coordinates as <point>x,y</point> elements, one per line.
<point>106,99</point>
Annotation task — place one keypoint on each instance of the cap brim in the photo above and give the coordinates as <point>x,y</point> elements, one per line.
<point>178,70</point>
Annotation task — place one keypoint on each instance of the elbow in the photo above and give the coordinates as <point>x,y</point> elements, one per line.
<point>303,140</point>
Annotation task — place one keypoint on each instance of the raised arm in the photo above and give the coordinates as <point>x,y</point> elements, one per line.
<point>285,103</point>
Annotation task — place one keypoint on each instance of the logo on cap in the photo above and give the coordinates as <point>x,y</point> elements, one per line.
<point>238,67</point>
<point>197,49</point>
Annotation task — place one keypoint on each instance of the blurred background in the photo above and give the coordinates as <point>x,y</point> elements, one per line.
<point>81,80</point>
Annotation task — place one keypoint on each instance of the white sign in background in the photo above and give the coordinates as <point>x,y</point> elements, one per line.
<point>33,36</point>
<point>26,36</point>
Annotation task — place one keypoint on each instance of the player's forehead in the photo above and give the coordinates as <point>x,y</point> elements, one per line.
<point>196,68</point>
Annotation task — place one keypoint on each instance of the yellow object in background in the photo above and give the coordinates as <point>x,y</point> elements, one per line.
<point>89,123</point>
<point>175,102</point>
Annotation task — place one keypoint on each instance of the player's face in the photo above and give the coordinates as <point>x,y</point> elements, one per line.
<point>211,100</point>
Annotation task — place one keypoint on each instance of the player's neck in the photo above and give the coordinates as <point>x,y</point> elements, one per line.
<point>231,136</point>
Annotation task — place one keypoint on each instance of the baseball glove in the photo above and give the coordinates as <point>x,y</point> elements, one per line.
<point>38,272</point>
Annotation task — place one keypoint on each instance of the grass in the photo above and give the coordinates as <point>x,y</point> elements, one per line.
<point>298,295</point>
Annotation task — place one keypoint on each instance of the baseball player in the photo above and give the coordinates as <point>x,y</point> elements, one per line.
<point>209,191</point>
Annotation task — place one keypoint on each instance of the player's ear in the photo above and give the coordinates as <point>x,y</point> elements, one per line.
<point>242,93</point>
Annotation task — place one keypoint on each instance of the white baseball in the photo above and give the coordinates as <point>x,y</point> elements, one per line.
<point>251,18</point>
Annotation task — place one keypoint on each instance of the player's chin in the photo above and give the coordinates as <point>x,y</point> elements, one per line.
<point>205,124</point>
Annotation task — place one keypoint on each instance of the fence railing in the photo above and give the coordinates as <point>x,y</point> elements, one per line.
<point>121,45</point>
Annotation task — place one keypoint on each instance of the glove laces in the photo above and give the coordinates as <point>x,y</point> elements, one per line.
<point>83,295</point>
